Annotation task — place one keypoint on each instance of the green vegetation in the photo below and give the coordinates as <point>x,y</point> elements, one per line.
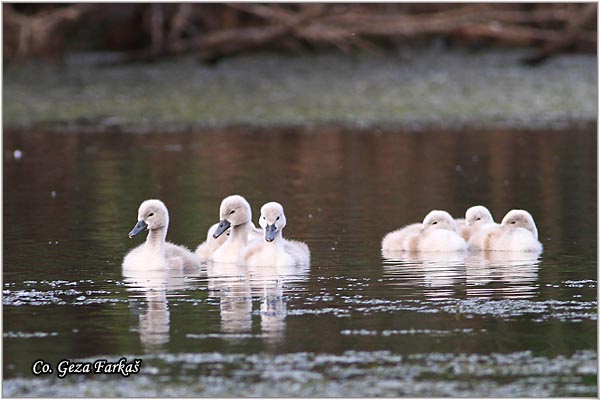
<point>407,89</point>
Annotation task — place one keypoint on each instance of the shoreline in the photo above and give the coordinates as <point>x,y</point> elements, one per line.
<point>410,90</point>
<point>98,128</point>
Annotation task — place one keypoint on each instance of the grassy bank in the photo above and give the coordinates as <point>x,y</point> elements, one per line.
<point>408,89</point>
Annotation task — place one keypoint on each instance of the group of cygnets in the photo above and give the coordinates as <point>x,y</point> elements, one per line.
<point>234,239</point>
<point>477,231</point>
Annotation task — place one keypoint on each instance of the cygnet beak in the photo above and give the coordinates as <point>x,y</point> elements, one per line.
<point>270,232</point>
<point>223,226</point>
<point>139,227</point>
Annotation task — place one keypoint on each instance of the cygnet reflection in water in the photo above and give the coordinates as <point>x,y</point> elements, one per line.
<point>149,297</point>
<point>439,274</point>
<point>237,286</point>
<point>229,283</point>
<point>270,284</point>
<point>503,274</point>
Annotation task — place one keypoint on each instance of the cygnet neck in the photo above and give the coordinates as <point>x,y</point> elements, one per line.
<point>156,238</point>
<point>239,232</point>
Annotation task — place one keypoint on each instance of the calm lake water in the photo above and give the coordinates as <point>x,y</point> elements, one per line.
<point>355,323</point>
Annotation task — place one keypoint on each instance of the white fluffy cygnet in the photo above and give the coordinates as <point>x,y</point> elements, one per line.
<point>475,218</point>
<point>273,249</point>
<point>516,232</point>
<point>206,249</point>
<point>438,232</point>
<point>156,252</point>
<point>395,240</point>
<point>236,215</point>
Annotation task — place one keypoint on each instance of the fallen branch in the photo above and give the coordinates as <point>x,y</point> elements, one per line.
<point>216,30</point>
<point>575,33</point>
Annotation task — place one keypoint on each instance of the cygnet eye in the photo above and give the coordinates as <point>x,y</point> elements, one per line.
<point>513,222</point>
<point>151,214</point>
<point>277,219</point>
<point>232,211</point>
<point>434,222</point>
<point>478,218</point>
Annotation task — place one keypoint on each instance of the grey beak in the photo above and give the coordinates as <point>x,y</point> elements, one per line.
<point>223,226</point>
<point>139,227</point>
<point>270,232</point>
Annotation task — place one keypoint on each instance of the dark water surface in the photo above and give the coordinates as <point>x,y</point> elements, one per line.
<point>354,323</point>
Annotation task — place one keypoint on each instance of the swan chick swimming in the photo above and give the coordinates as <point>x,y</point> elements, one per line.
<point>461,226</point>
<point>438,233</point>
<point>156,252</point>
<point>235,214</point>
<point>516,232</point>
<point>475,218</point>
<point>274,250</point>
<point>205,250</point>
<point>395,240</point>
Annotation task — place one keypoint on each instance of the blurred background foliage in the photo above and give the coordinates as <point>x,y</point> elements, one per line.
<point>211,31</point>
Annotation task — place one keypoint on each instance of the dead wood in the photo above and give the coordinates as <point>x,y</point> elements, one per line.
<point>213,30</point>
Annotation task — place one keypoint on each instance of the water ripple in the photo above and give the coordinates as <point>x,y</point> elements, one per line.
<point>350,374</point>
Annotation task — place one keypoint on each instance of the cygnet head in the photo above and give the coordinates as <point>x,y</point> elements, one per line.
<point>272,220</point>
<point>152,214</point>
<point>438,219</point>
<point>520,219</point>
<point>234,211</point>
<point>478,215</point>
